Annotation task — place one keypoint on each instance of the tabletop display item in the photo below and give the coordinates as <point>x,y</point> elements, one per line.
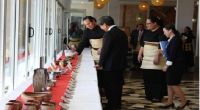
<point>38,96</point>
<point>40,79</point>
<point>18,104</point>
<point>48,105</point>
<point>30,107</point>
<point>10,106</point>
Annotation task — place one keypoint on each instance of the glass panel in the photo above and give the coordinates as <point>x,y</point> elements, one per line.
<point>49,45</point>
<point>20,75</point>
<point>59,23</point>
<point>1,6</point>
<point>46,31</point>
<point>49,30</point>
<point>77,17</point>
<point>1,48</point>
<point>7,35</point>
<point>31,36</point>
<point>66,22</point>
<point>57,26</point>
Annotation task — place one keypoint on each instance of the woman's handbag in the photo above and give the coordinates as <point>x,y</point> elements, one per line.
<point>157,57</point>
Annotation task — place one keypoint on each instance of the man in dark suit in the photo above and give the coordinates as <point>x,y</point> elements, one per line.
<point>113,61</point>
<point>136,41</point>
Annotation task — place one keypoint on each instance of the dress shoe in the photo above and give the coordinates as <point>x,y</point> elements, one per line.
<point>148,98</point>
<point>182,107</point>
<point>168,105</point>
<point>155,100</point>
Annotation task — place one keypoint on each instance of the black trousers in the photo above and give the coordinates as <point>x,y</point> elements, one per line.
<point>154,83</point>
<point>99,76</point>
<point>113,87</point>
<point>136,63</point>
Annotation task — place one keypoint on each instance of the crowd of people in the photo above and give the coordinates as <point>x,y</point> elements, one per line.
<point>158,50</point>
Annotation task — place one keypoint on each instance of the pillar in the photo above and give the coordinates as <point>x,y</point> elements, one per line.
<point>184,14</point>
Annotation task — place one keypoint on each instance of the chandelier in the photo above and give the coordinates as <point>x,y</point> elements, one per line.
<point>157,2</point>
<point>143,6</point>
<point>100,3</point>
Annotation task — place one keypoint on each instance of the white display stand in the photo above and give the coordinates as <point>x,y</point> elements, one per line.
<point>86,95</point>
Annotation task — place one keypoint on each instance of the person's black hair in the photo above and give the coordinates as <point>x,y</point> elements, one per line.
<point>156,20</point>
<point>188,28</point>
<point>189,32</point>
<point>108,20</point>
<point>172,27</point>
<point>90,18</point>
<point>73,26</point>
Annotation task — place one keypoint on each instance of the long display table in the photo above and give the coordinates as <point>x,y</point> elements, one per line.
<point>86,95</point>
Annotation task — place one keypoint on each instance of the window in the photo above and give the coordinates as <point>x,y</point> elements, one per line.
<point>23,40</point>
<point>1,46</point>
<point>77,16</point>
<point>49,38</point>
<point>31,36</point>
<point>51,31</point>
<point>8,35</point>
<point>47,30</point>
<point>20,73</point>
<point>58,37</point>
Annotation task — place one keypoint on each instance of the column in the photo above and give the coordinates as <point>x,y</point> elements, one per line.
<point>198,31</point>
<point>184,14</point>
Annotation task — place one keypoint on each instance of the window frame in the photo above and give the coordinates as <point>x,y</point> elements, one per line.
<point>1,47</point>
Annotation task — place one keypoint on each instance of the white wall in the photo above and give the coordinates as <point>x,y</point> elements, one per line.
<point>88,6</point>
<point>101,12</point>
<point>112,9</point>
<point>66,4</point>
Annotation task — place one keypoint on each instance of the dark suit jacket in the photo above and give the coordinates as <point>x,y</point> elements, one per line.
<point>114,50</point>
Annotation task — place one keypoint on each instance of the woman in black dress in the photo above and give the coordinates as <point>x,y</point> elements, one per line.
<point>174,67</point>
<point>150,55</point>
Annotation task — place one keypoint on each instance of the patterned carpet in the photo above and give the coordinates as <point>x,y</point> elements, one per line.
<point>134,97</point>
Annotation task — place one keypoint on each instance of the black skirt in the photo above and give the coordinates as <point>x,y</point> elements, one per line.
<point>174,74</point>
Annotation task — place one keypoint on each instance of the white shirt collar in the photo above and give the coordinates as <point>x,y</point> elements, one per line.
<point>170,39</point>
<point>111,27</point>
